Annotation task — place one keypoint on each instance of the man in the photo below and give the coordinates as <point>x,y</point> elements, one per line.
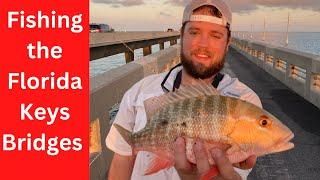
<point>205,37</point>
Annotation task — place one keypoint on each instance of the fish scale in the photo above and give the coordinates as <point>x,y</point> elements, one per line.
<point>195,107</point>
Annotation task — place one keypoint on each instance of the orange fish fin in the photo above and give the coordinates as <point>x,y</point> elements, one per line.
<point>214,144</point>
<point>189,150</point>
<point>198,88</point>
<point>233,149</point>
<point>213,172</point>
<point>158,164</point>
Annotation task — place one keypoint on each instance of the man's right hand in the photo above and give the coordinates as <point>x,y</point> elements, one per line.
<point>188,170</point>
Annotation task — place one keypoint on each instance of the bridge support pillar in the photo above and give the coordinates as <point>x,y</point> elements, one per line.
<point>129,56</point>
<point>173,42</point>
<point>161,46</point>
<point>146,50</point>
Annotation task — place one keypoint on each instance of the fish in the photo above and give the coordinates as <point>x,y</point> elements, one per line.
<point>198,111</point>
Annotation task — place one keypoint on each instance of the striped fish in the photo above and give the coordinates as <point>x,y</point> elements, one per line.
<point>199,112</point>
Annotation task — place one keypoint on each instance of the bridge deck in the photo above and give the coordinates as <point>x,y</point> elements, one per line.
<point>303,118</point>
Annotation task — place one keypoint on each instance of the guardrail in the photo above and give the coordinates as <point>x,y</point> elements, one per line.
<point>298,70</point>
<point>106,91</point>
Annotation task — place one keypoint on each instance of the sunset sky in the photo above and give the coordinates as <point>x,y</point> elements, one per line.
<point>158,15</point>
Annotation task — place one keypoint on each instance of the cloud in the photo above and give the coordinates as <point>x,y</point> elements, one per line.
<point>177,2</point>
<point>117,3</point>
<point>249,5</point>
<point>165,14</point>
<point>245,6</point>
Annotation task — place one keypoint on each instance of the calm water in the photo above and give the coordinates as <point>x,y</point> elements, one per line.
<point>306,42</point>
<point>301,41</point>
<point>102,65</point>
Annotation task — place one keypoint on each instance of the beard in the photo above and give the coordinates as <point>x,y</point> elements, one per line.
<point>199,70</point>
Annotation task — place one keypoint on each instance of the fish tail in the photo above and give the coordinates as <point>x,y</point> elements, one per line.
<point>126,135</point>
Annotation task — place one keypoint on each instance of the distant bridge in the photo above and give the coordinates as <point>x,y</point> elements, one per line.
<point>107,44</point>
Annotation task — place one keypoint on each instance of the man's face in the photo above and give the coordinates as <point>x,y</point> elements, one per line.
<point>204,46</point>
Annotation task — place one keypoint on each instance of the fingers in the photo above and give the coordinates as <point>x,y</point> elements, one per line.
<point>187,171</point>
<point>225,167</point>
<point>181,161</point>
<point>201,157</point>
<point>247,164</point>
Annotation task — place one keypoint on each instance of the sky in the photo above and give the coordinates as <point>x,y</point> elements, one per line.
<point>159,15</point>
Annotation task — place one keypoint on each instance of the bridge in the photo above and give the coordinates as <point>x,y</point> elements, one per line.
<point>287,82</point>
<point>107,44</point>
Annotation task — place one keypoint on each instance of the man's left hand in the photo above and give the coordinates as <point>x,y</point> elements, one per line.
<point>247,164</point>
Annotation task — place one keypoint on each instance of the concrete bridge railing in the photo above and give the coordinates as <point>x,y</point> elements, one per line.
<point>106,91</point>
<point>107,44</point>
<point>297,70</point>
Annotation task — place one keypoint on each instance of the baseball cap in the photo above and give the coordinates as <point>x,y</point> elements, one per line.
<point>219,4</point>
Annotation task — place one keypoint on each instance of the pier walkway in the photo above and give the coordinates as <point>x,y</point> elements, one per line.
<point>302,117</point>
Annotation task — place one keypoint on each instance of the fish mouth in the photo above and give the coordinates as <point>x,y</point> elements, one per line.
<point>284,144</point>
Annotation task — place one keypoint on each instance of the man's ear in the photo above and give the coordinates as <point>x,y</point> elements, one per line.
<point>181,35</point>
<point>228,43</point>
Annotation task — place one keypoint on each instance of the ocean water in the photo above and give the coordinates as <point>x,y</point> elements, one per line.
<point>300,41</point>
<point>102,65</point>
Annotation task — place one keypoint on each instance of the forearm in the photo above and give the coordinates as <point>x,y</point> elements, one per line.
<point>121,168</point>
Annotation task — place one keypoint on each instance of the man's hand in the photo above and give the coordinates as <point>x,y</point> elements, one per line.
<point>188,170</point>
<point>247,164</point>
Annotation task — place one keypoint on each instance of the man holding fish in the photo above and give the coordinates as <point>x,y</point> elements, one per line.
<point>194,122</point>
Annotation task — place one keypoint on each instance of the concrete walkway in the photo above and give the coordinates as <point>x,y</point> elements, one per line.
<point>303,118</point>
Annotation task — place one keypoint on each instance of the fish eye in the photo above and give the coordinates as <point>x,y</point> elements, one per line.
<point>264,122</point>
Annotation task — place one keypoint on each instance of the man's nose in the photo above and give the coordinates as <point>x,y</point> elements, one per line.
<point>203,41</point>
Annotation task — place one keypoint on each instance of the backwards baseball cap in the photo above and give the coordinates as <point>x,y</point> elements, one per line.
<point>219,4</point>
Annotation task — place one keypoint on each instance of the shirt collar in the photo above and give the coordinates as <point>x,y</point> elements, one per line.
<point>168,81</point>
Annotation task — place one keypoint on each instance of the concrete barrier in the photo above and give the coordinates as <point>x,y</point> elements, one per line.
<point>106,90</point>
<point>103,39</point>
<point>298,70</point>
<point>108,44</point>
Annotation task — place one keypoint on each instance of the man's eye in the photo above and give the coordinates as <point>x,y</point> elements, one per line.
<point>216,36</point>
<point>194,32</point>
